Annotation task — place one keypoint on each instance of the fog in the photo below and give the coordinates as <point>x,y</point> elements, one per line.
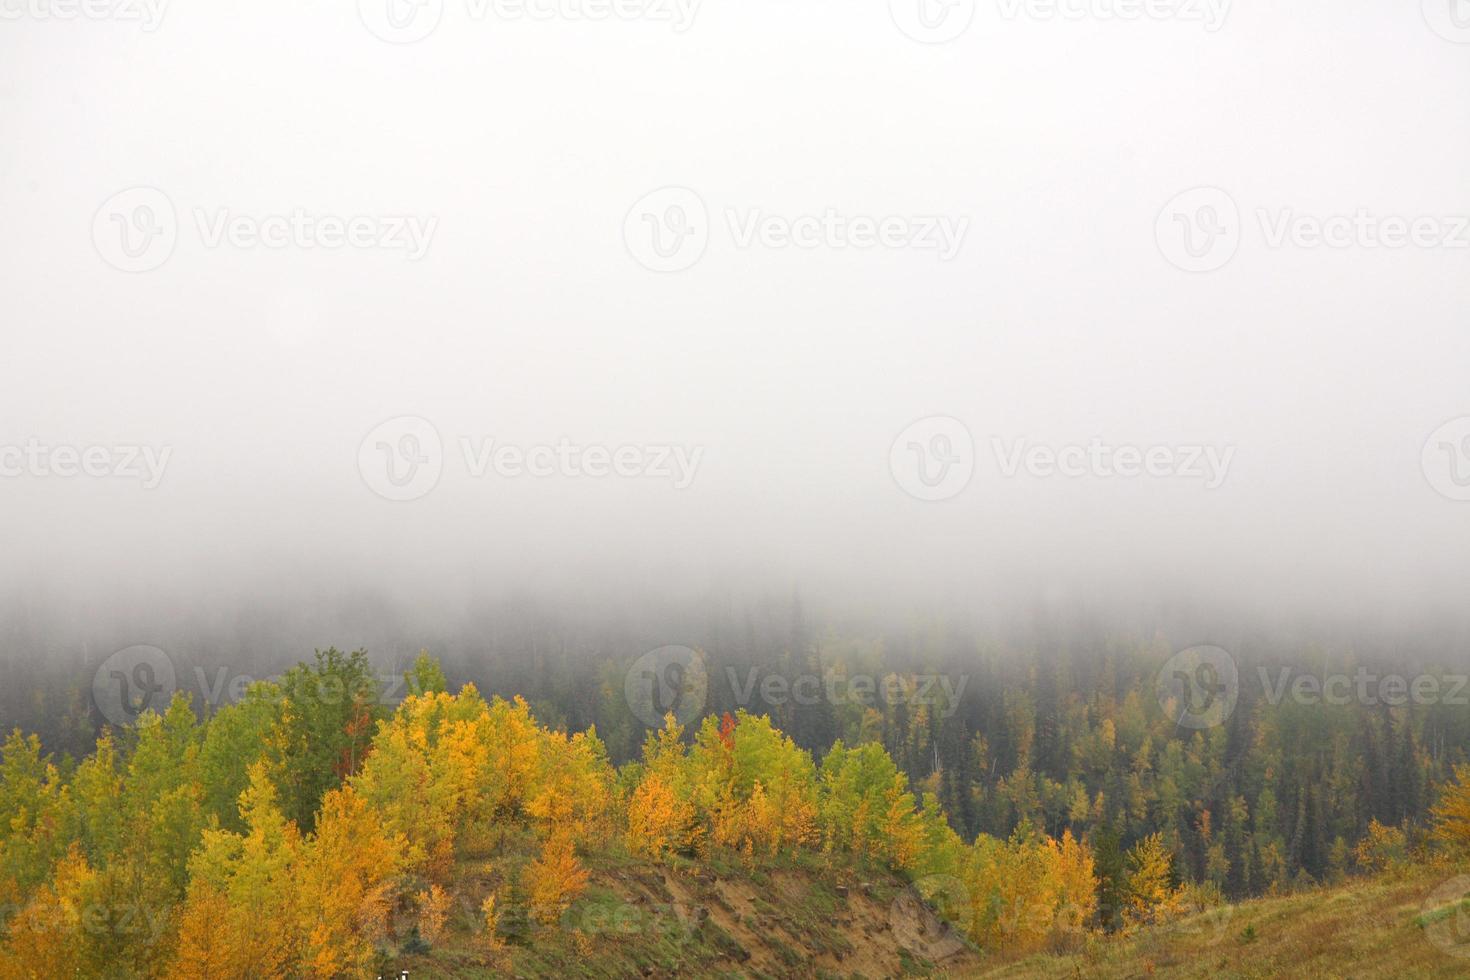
<point>353,264</point>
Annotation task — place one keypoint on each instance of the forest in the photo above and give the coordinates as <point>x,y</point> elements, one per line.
<point>310,829</point>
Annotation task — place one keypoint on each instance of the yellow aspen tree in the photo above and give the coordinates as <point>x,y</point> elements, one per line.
<point>902,831</point>
<point>210,943</point>
<point>239,917</point>
<point>345,885</point>
<point>659,822</point>
<point>492,922</point>
<point>1382,848</point>
<point>1151,895</point>
<point>1077,884</point>
<point>1452,812</point>
<point>45,938</point>
<point>433,905</point>
<point>555,879</point>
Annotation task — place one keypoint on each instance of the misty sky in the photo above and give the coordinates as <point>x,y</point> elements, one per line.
<point>521,150</point>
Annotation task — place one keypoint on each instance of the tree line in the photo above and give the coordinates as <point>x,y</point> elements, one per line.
<point>308,830</point>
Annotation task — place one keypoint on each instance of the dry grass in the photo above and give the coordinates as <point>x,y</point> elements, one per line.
<point>1375,929</point>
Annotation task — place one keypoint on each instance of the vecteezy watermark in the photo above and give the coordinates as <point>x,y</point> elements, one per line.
<point>1362,229</point>
<point>400,21</point>
<point>1201,230</point>
<point>403,459</point>
<point>136,230</point>
<point>669,680</point>
<point>938,233</point>
<point>564,458</point>
<point>933,459</point>
<point>1210,924</point>
<point>1210,14</point>
<point>669,230</point>
<point>131,681</point>
<point>59,919</point>
<point>410,21</point>
<point>302,229</point>
<point>922,917</point>
<point>1445,916</point>
<point>138,679</point>
<point>1364,687</point>
<point>932,21</point>
<point>1208,464</point>
<point>1446,459</point>
<point>146,13</point>
<point>34,458</point>
<point>662,919</point>
<point>1198,687</point>
<point>1450,19</point>
<point>938,691</point>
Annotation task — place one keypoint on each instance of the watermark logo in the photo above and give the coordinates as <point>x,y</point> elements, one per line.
<point>145,678</point>
<point>39,460</point>
<point>305,230</point>
<point>1209,13</point>
<point>147,13</point>
<point>667,230</point>
<point>1362,229</point>
<point>1364,687</point>
<point>401,21</point>
<point>136,230</point>
<point>1198,687</point>
<point>677,464</point>
<point>938,691</point>
<point>942,234</point>
<point>1211,924</point>
<point>1208,464</point>
<point>402,459</point>
<point>669,679</point>
<point>1450,19</point>
<point>1445,917</point>
<point>1199,230</point>
<point>933,459</point>
<point>132,681</point>
<point>1446,459</point>
<point>410,21</point>
<point>932,21</point>
<point>670,229</point>
<point>665,920</point>
<point>59,920</point>
<point>924,914</point>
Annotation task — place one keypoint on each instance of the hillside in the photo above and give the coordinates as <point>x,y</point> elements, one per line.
<point>1366,929</point>
<point>805,918</point>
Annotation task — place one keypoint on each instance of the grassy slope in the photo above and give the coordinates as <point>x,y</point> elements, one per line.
<point>808,919</point>
<point>1366,929</point>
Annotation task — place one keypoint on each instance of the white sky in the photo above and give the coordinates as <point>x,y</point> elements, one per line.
<point>528,320</point>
